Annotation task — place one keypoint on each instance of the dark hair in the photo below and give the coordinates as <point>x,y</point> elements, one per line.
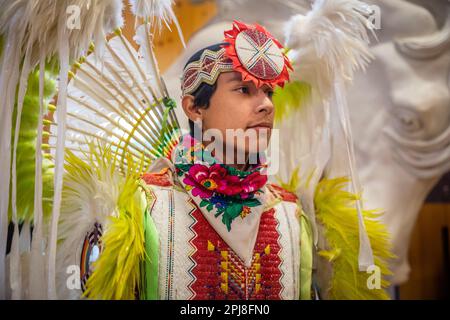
<point>202,95</point>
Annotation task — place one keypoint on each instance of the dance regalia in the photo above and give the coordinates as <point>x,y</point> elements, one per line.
<point>141,211</point>
<point>203,255</point>
<point>216,232</point>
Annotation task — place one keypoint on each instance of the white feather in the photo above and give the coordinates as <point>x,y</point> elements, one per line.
<point>37,284</point>
<point>43,20</point>
<point>151,9</point>
<point>331,39</point>
<point>59,165</point>
<point>328,45</point>
<point>9,77</point>
<point>108,97</point>
<point>15,278</point>
<point>156,12</point>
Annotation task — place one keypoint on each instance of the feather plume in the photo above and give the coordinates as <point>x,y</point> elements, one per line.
<point>85,21</point>
<point>23,173</point>
<point>117,273</point>
<point>327,45</point>
<point>336,213</point>
<point>94,191</point>
<point>151,9</point>
<point>156,12</point>
<point>331,39</point>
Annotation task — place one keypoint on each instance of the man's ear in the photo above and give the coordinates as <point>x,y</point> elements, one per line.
<point>193,112</point>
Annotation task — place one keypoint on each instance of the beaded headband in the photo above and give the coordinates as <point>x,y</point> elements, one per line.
<point>205,70</point>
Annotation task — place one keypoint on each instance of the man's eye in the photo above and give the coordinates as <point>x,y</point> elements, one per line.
<point>269,93</point>
<point>243,90</point>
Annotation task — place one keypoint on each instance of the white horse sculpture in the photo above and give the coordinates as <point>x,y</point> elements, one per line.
<point>400,108</point>
<point>400,114</point>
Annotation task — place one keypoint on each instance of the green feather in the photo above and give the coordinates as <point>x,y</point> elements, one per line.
<point>151,259</point>
<point>26,147</point>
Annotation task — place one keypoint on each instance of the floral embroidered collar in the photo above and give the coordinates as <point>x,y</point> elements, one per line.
<point>231,192</point>
<point>230,199</point>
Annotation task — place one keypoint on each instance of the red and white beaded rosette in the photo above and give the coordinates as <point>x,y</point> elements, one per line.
<point>257,55</point>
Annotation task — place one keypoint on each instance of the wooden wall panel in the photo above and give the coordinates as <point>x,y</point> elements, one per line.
<point>429,255</point>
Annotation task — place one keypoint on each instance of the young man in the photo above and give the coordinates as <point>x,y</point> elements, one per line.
<point>224,232</point>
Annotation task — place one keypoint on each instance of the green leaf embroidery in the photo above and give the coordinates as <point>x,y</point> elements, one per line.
<point>183,167</point>
<point>251,202</point>
<point>236,172</point>
<point>204,203</point>
<point>234,210</point>
<point>219,212</point>
<point>227,221</point>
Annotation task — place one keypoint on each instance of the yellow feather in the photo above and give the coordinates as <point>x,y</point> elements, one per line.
<point>294,181</point>
<point>290,98</point>
<point>117,272</point>
<point>336,212</point>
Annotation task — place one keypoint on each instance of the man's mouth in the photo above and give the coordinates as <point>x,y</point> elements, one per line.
<point>261,126</point>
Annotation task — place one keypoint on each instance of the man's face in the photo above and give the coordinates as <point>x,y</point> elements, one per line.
<point>240,105</point>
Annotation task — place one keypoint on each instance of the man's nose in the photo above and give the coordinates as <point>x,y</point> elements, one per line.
<point>264,103</point>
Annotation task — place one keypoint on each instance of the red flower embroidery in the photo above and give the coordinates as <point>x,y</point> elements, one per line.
<point>205,180</point>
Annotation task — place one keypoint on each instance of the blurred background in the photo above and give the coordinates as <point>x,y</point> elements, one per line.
<point>400,113</point>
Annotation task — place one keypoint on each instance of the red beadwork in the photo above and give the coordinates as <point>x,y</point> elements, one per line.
<point>261,73</point>
<point>283,194</point>
<point>235,281</point>
<point>161,179</point>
